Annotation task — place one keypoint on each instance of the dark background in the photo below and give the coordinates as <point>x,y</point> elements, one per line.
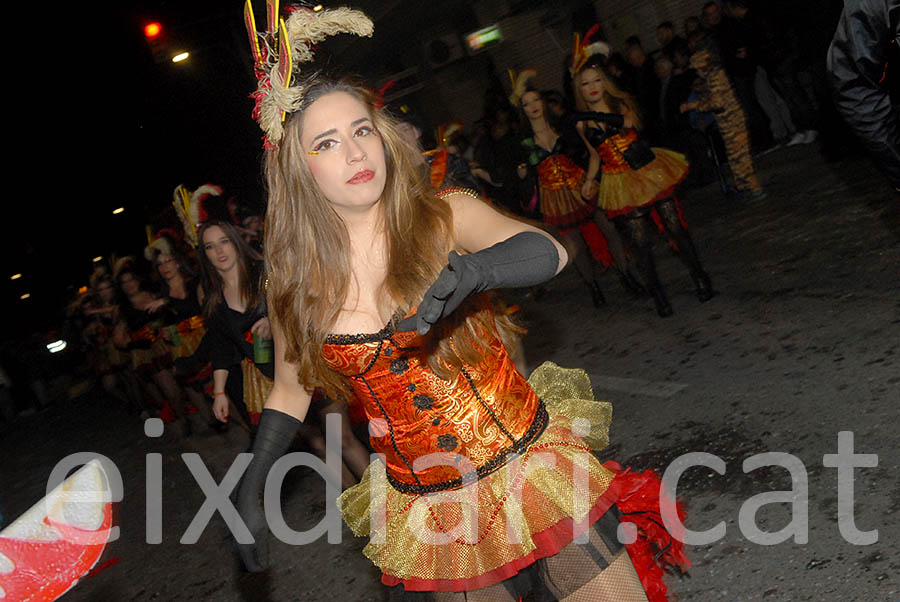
<point>98,124</point>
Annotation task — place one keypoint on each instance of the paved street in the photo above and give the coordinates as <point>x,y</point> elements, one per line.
<point>802,342</point>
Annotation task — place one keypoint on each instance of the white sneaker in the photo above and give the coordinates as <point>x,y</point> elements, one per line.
<point>810,136</point>
<point>798,138</point>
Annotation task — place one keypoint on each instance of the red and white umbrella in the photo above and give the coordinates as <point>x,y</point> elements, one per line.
<point>44,552</point>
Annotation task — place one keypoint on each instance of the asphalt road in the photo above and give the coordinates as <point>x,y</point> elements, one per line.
<point>801,343</point>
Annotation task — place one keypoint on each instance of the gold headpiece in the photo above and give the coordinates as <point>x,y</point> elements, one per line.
<point>585,49</point>
<point>189,208</point>
<point>519,83</point>
<point>279,52</point>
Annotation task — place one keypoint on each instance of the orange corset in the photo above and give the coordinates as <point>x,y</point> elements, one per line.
<point>434,434</point>
<point>611,150</point>
<point>557,172</point>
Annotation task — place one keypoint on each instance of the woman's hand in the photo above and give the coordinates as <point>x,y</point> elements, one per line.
<point>589,189</point>
<point>688,106</point>
<point>522,170</point>
<point>261,328</point>
<point>525,259</point>
<point>154,305</point>
<point>221,404</point>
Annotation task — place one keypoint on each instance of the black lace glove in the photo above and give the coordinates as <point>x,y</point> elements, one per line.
<point>273,438</point>
<point>525,259</point>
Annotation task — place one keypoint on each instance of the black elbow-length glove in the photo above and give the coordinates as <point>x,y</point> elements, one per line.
<point>526,259</point>
<point>273,438</point>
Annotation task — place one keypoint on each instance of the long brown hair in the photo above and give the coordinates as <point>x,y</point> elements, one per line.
<point>307,248</point>
<point>250,272</point>
<point>618,100</point>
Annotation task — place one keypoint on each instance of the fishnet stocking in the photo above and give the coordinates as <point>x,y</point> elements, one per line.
<point>639,232</point>
<point>582,260</point>
<point>619,582</point>
<point>672,222</point>
<point>572,575</point>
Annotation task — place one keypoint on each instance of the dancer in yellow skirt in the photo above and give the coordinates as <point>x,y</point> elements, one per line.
<point>487,479</point>
<point>638,183</point>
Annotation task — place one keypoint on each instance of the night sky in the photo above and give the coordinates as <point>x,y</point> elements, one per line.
<point>109,127</point>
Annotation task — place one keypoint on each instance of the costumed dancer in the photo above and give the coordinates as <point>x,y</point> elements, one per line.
<point>111,364</point>
<point>718,96</point>
<point>355,244</point>
<point>181,327</point>
<point>637,181</point>
<point>137,334</point>
<point>235,310</point>
<point>447,166</point>
<point>555,185</point>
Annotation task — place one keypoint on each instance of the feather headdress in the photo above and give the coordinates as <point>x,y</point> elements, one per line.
<point>519,84</point>
<point>447,131</point>
<point>121,264</point>
<point>161,243</point>
<point>189,208</point>
<point>282,48</point>
<point>585,49</point>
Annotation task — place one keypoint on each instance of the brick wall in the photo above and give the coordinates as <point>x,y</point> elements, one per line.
<point>539,39</point>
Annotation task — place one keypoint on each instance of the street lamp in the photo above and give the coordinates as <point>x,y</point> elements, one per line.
<point>118,211</point>
<point>15,276</point>
<point>181,56</point>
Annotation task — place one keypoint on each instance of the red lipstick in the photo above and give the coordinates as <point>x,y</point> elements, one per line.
<point>362,177</point>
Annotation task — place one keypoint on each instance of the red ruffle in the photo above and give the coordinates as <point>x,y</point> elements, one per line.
<point>631,492</point>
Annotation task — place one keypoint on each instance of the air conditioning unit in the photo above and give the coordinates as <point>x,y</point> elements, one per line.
<point>443,50</point>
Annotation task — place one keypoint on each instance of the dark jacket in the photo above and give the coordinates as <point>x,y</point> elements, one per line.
<point>856,62</point>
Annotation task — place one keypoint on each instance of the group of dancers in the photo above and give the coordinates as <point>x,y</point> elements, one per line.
<point>599,182</point>
<point>371,295</point>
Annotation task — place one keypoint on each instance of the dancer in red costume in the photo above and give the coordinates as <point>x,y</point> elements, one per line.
<point>355,244</point>
<point>637,182</point>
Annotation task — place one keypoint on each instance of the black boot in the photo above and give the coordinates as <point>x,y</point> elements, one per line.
<point>631,284</point>
<point>705,291</point>
<point>663,308</point>
<point>596,294</point>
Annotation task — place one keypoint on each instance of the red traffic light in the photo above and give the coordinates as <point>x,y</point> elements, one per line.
<point>152,30</point>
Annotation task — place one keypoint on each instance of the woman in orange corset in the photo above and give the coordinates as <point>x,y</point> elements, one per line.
<point>483,482</point>
<point>638,183</point>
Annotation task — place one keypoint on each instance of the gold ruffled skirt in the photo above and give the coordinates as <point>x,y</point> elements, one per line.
<point>625,191</point>
<point>490,529</point>
<point>257,387</point>
<point>189,341</point>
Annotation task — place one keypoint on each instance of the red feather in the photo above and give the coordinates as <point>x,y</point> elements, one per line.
<point>379,98</point>
<point>590,32</point>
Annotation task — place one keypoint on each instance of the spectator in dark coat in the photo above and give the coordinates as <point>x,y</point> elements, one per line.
<point>856,62</point>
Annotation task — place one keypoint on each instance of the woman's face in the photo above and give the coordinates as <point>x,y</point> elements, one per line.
<point>219,249</point>
<point>129,284</point>
<point>532,105</point>
<point>167,266</point>
<point>106,291</point>
<point>591,86</point>
<point>344,151</point>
